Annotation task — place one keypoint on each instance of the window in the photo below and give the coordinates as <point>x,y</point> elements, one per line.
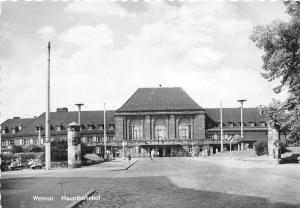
<point>216,136</point>
<point>231,124</point>
<point>20,127</point>
<point>263,124</point>
<point>184,129</point>
<point>90,127</point>
<point>252,124</point>
<point>191,149</point>
<point>11,142</point>
<point>101,127</point>
<point>111,127</point>
<point>58,128</point>
<point>14,130</point>
<point>135,129</point>
<point>89,139</point>
<point>25,141</point>
<point>4,131</point>
<point>160,129</point>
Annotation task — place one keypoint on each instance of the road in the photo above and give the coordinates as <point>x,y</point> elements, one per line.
<point>166,182</point>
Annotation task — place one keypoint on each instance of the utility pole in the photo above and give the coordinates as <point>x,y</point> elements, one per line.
<point>221,126</point>
<point>241,101</point>
<point>47,121</point>
<point>104,119</point>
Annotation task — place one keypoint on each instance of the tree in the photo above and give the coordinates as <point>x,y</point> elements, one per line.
<point>281,60</point>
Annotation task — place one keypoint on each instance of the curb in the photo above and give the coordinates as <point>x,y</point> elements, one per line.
<point>75,203</point>
<point>132,164</point>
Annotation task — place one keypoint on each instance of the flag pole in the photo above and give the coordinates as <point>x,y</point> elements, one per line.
<point>221,126</point>
<point>47,120</point>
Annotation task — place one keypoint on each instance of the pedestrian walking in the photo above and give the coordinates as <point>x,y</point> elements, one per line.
<point>152,153</point>
<point>129,157</point>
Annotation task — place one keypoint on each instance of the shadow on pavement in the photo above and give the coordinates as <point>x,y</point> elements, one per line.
<point>294,158</point>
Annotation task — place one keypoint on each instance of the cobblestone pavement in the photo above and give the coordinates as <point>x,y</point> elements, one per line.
<point>181,182</point>
<point>165,182</point>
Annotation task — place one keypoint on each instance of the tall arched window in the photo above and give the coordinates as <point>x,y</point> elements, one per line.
<point>184,129</point>
<point>160,129</point>
<point>135,128</point>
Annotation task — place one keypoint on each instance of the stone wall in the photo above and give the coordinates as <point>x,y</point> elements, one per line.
<point>199,126</point>
<point>119,127</point>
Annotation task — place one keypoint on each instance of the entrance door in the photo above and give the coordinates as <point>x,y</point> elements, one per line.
<point>168,151</point>
<point>160,151</point>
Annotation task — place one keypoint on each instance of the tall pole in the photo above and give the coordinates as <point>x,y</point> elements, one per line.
<point>221,126</point>
<point>79,110</point>
<point>104,130</point>
<point>241,101</point>
<point>47,121</point>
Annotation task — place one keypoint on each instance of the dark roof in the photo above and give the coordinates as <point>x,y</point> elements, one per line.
<point>9,124</point>
<point>233,115</point>
<point>63,119</point>
<point>159,99</point>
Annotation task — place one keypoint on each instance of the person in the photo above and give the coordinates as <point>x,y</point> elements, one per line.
<point>152,154</point>
<point>129,157</point>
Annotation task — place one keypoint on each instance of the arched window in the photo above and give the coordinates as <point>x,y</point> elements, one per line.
<point>135,128</point>
<point>184,129</point>
<point>160,129</point>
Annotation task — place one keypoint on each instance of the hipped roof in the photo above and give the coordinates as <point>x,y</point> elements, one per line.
<point>159,99</point>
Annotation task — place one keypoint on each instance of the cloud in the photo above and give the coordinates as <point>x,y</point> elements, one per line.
<point>203,47</point>
<point>47,32</point>
<point>97,9</point>
<point>88,36</point>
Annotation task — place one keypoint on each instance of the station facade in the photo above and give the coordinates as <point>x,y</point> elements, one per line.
<point>165,119</point>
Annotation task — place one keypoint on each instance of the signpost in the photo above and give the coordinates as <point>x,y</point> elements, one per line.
<point>230,140</point>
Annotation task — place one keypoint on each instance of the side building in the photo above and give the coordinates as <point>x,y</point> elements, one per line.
<point>166,119</point>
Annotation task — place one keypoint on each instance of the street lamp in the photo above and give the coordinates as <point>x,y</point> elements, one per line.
<point>192,149</point>
<point>104,121</point>
<point>241,101</point>
<point>79,109</point>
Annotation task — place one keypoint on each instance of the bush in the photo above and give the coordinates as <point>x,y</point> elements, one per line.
<point>59,150</point>
<point>34,148</point>
<point>261,147</point>
<point>16,149</point>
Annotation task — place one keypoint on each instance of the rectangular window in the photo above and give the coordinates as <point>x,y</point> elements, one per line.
<point>252,124</point>
<point>191,149</point>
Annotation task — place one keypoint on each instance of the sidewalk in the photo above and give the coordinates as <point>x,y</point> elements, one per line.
<point>84,171</point>
<point>244,162</point>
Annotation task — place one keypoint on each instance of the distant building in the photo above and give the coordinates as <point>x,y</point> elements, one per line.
<point>166,119</point>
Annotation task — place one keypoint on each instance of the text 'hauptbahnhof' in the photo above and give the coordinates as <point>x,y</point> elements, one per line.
<point>166,119</point>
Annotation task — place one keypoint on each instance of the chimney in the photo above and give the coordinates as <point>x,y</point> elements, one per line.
<point>16,117</point>
<point>63,109</point>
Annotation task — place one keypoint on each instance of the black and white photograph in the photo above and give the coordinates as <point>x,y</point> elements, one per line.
<point>150,104</point>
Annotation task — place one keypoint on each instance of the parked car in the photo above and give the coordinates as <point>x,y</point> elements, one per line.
<point>15,164</point>
<point>35,164</point>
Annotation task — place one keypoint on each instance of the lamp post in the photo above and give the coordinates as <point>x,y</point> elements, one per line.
<point>104,130</point>
<point>241,101</point>
<point>79,110</point>
<point>192,149</point>
<point>47,119</point>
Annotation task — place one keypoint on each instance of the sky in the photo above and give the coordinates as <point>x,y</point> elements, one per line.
<point>103,51</point>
